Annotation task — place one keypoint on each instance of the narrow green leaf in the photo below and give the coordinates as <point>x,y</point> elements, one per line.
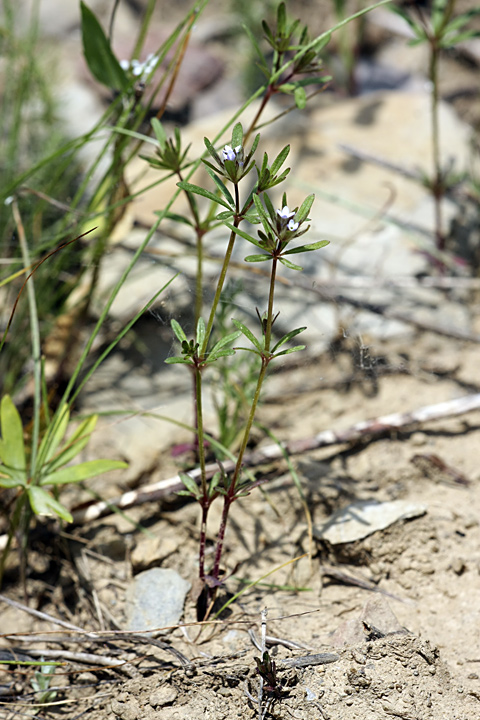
<point>279,160</point>
<point>313,81</point>
<point>262,214</point>
<point>12,447</point>
<point>248,334</point>
<point>268,34</point>
<point>205,193</point>
<point>281,19</point>
<point>178,361</point>
<point>175,217</point>
<point>10,478</point>
<point>213,357</point>
<point>75,444</point>
<point>322,42</point>
<point>461,37</point>
<point>242,234</point>
<point>222,187</point>
<point>304,209</point>
<point>160,133</point>
<point>289,264</point>
<point>237,135</point>
<point>287,88</point>
<point>54,434</point>
<point>270,208</point>
<point>278,180</point>
<point>212,151</point>
<point>226,340</point>
<point>297,348</point>
<point>300,97</point>
<point>213,484</point>
<point>43,503</point>
<point>307,248</point>
<point>257,258</point>
<point>405,16</point>
<point>261,58</point>
<point>178,330</point>
<point>101,61</point>
<point>82,471</point>
<point>288,337</point>
<point>190,484</point>
<point>200,334</point>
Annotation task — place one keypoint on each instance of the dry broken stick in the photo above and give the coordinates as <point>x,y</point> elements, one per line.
<point>367,428</point>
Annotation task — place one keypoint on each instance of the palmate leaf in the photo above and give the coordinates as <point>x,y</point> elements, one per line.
<point>12,447</point>
<point>101,61</point>
<point>43,503</point>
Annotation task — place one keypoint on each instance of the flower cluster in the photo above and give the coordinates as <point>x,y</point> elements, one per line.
<point>139,69</point>
<point>231,162</point>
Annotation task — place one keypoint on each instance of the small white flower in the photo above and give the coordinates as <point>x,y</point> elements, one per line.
<point>292,225</point>
<point>285,213</point>
<point>8,200</point>
<point>125,64</point>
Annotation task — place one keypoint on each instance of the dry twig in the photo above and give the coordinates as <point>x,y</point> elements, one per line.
<point>364,429</point>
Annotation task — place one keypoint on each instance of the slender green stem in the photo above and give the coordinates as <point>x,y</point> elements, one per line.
<point>144,28</point>
<point>200,233</point>
<point>222,276</point>
<point>35,338</point>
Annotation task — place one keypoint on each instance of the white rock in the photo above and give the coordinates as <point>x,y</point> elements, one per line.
<point>360,519</point>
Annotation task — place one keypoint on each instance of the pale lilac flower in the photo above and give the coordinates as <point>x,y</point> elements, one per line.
<point>292,225</point>
<point>230,153</point>
<point>285,213</point>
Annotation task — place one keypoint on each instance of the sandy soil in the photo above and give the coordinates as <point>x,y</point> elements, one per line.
<point>407,640</point>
